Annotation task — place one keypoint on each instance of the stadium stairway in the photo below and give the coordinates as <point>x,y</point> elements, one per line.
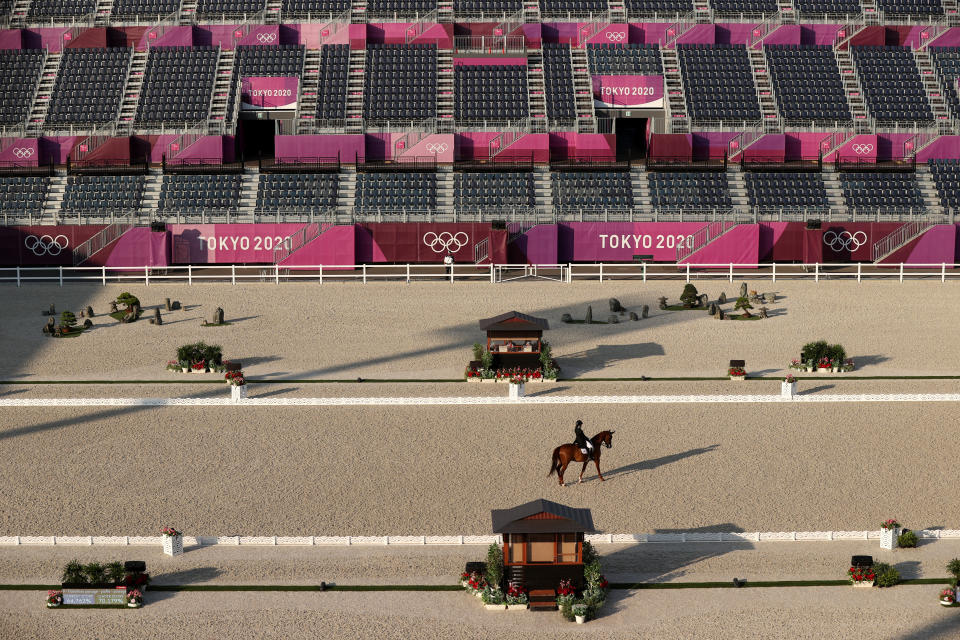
<point>188,11</point>
<point>542,189</point>
<point>536,87</point>
<point>445,197</point>
<point>953,17</point>
<point>41,99</point>
<point>677,120</point>
<point>54,199</point>
<point>703,11</point>
<point>131,92</point>
<point>928,188</point>
<point>104,10</point>
<point>854,91</point>
<point>737,185</point>
<point>309,90</point>
<point>932,86</point>
<point>583,91</point>
<point>641,190</point>
<point>618,11</point>
<point>18,17</point>
<point>246,208</point>
<point>272,15</point>
<point>220,100</point>
<point>355,77</point>
<point>358,12</point>
<point>445,91</point>
<point>761,80</point>
<point>834,189</point>
<point>347,190</point>
<point>788,12</point>
<point>152,185</point>
<point>531,12</point>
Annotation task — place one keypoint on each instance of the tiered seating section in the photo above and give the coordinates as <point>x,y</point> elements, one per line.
<point>276,60</point>
<point>93,194</point>
<point>19,75</point>
<point>873,190</point>
<point>744,7</point>
<point>558,82</point>
<point>465,9</point>
<point>59,11</point>
<point>829,8</point>
<point>297,192</point>
<point>480,191</point>
<point>89,86</point>
<point>200,194</point>
<point>625,59</point>
<point>946,175</point>
<point>177,85</point>
<point>807,84</point>
<point>786,190</point>
<point>400,83</point>
<point>718,83</point>
<point>911,8</point>
<point>332,95</point>
<point>572,8</point>
<point>130,10</point>
<point>892,85</point>
<point>22,194</point>
<point>396,191</point>
<point>593,190</point>
<point>947,61</point>
<point>696,190</point>
<point>490,92</point>
<point>649,8</point>
<point>395,9</point>
<point>313,9</point>
<point>226,9</point>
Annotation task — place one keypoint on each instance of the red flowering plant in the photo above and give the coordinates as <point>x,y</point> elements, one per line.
<point>790,378</point>
<point>55,597</point>
<point>235,378</point>
<point>565,593</point>
<point>517,380</point>
<point>736,372</point>
<point>947,595</point>
<point>134,597</point>
<point>170,531</point>
<point>199,366</point>
<point>861,574</point>
<point>516,594</point>
<point>890,524</point>
<point>475,583</point>
<point>136,581</point>
<point>518,372</point>
<point>824,363</point>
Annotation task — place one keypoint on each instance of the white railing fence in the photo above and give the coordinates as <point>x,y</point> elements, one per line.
<point>492,273</point>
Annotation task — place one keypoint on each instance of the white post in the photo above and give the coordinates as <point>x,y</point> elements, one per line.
<point>943,272</point>
<point>408,273</point>
<point>601,272</point>
<point>901,272</point>
<point>364,274</point>
<point>61,276</point>
<point>451,274</point>
<point>18,275</point>
<point>644,271</point>
<point>774,271</point>
<point>688,272</point>
<point>321,274</point>
<point>190,274</point>
<point>859,265</point>
<point>491,273</point>
<point>816,272</point>
<point>233,274</point>
<point>731,273</point>
<point>276,274</point>
<point>103,275</point>
<point>146,276</point>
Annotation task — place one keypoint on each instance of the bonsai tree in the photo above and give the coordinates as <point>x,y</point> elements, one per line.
<point>128,300</point>
<point>546,356</point>
<point>477,351</point>
<point>743,303</point>
<point>67,321</point>
<point>690,297</point>
<point>494,572</point>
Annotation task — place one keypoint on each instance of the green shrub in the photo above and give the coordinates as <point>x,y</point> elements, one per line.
<point>494,573</point>
<point>689,296</point>
<point>743,303</point>
<point>68,320</point>
<point>887,576</point>
<point>200,351</point>
<point>814,351</point>
<point>954,568</point>
<point>580,609</point>
<point>907,539</point>
<point>837,353</point>
<point>73,573</point>
<point>477,351</point>
<point>566,607</point>
<point>546,355</point>
<point>128,300</point>
<point>96,572</point>
<point>486,360</point>
<point>115,572</point>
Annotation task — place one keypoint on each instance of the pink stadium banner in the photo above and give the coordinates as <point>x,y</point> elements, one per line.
<point>628,91</point>
<point>229,243</point>
<point>258,92</point>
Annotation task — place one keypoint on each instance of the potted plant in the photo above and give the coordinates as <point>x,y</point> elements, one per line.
<point>861,576</point>
<point>54,598</point>
<point>788,388</point>
<point>737,373</point>
<point>954,568</point>
<point>475,584</point>
<point>565,598</point>
<point>948,597</point>
<point>493,599</point>
<point>824,365</point>
<point>797,365</point>
<point>134,599</point>
<point>172,541</point>
<point>517,598</point>
<point>889,531</point>
<point>516,387</point>
<point>580,612</point>
<point>907,539</point>
<point>238,385</point>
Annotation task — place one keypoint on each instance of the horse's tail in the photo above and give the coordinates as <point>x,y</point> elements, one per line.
<point>555,465</point>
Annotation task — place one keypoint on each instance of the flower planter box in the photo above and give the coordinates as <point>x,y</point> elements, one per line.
<point>888,538</point>
<point>495,607</point>
<point>788,389</point>
<point>516,391</point>
<point>824,369</point>
<point>238,392</point>
<point>172,545</point>
<point>864,583</point>
<point>474,379</point>
<point>580,619</point>
<point>738,377</point>
<point>945,603</point>
<point>517,607</point>
<point>186,369</point>
<point>488,380</point>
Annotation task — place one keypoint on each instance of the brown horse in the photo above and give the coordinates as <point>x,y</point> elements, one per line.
<point>567,453</point>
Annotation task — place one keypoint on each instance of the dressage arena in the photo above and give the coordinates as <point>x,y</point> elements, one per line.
<point>369,469</point>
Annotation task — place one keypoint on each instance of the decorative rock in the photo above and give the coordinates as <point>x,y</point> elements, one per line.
<point>763,313</point>
<point>723,298</point>
<point>743,289</point>
<point>663,304</point>
<point>566,318</point>
<point>713,308</point>
<point>612,319</point>
<point>156,316</point>
<point>644,311</point>
<point>113,306</point>
<point>167,304</point>
<point>634,316</point>
<point>720,314</point>
<point>87,323</point>
<point>82,313</point>
<point>51,323</point>
<point>769,298</point>
<point>218,316</point>
<point>615,305</point>
<point>588,319</point>
<point>46,330</point>
<point>51,312</point>
<point>176,305</point>
<point>704,300</point>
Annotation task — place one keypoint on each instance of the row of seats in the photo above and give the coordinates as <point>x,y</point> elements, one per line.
<point>334,70</point>
<point>23,194</point>
<point>946,175</point>
<point>718,83</point>
<point>188,193</point>
<point>95,193</point>
<point>400,82</point>
<point>177,85</point>
<point>891,84</point>
<point>297,191</point>
<point>493,190</point>
<point>19,76</point>
<point>558,81</point>
<point>490,92</point>
<point>625,59</point>
<point>887,190</point>
<point>396,191</point>
<point>313,8</point>
<point>601,190</point>
<point>807,83</point>
<point>786,190</point>
<point>132,9</point>
<point>947,61</point>
<point>89,86</point>
<point>689,189</point>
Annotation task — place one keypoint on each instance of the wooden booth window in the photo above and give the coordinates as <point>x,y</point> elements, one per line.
<point>543,547</point>
<point>515,546</point>
<point>513,345</point>
<point>567,548</point>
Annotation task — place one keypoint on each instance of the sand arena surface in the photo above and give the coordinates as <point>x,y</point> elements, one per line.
<point>425,330</point>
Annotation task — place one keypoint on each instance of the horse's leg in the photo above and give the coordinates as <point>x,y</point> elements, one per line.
<point>582,469</point>
<point>561,469</point>
<point>596,461</point>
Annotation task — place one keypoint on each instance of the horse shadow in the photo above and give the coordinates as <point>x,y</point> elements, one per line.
<point>653,463</point>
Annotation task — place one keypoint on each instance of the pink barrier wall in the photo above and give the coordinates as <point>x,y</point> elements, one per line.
<point>739,245</point>
<point>140,247</point>
<point>712,144</point>
<point>671,145</point>
<point>292,148</point>
<point>24,152</point>
<point>474,145</point>
<point>396,33</point>
<point>423,242</point>
<point>385,146</point>
<point>613,34</point>
<point>861,148</point>
<point>206,148</point>
<point>40,37</point>
<point>56,149</point>
<point>942,147</point>
<point>312,35</point>
<point>44,244</point>
<point>336,246</point>
<point>620,241</point>
<point>769,148</point>
<point>785,34</point>
<point>11,39</point>
<point>228,243</point>
<point>173,37</point>
<point>938,245</point>
<point>951,38</point>
<point>537,246</point>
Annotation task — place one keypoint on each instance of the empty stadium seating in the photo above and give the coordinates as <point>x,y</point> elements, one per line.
<point>947,61</point>
<point>396,191</point>
<point>592,190</point>
<point>97,193</point>
<point>874,190</point>
<point>203,193</point>
<point>277,60</point>
<point>22,194</point>
<point>332,97</point>
<point>60,10</point>
<point>625,59</point>
<point>148,9</point>
<point>217,9</point>
<point>785,190</point>
<point>479,191</point>
<point>89,86</point>
<point>19,74</point>
<point>391,9</point>
<point>177,85</point>
<point>490,92</point>
<point>558,82</point>
<point>640,8</point>
<point>946,175</point>
<point>707,189</point>
<point>297,192</point>
<point>313,9</point>
<point>830,8</point>
<point>746,7</point>
<point>400,83</point>
<point>915,8</point>
<point>467,8</point>
<point>572,8</point>
<point>807,84</point>
<point>891,84</point>
<point>718,83</point>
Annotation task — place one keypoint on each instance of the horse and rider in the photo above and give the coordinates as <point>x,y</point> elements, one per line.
<point>582,450</point>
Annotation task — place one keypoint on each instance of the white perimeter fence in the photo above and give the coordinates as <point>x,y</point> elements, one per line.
<point>493,273</point>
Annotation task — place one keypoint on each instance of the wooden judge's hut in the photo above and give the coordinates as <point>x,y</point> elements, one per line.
<point>514,339</point>
<point>542,545</point>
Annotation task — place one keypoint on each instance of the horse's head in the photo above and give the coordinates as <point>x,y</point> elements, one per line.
<point>604,438</point>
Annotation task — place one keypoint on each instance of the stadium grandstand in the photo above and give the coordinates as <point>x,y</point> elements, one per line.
<point>550,123</point>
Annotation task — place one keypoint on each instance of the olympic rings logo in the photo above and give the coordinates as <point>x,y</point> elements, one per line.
<point>616,36</point>
<point>437,147</point>
<point>264,38</point>
<point>23,152</point>
<point>445,240</point>
<point>844,240</point>
<point>861,149</point>
<point>46,244</point>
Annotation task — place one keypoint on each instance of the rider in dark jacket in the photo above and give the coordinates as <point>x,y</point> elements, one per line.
<point>581,441</point>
